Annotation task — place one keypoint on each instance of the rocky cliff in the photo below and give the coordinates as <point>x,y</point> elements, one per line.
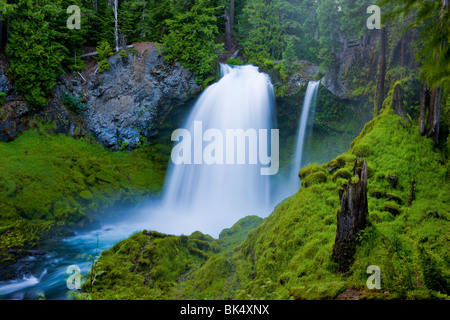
<point>120,107</point>
<point>123,105</point>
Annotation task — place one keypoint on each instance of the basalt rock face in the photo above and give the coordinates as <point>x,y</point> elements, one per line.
<point>125,103</point>
<point>16,116</point>
<point>356,60</point>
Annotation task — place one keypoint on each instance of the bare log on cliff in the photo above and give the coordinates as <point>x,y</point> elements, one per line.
<point>352,217</point>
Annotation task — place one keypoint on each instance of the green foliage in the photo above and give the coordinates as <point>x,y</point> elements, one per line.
<point>2,98</point>
<point>104,51</point>
<point>434,23</point>
<point>123,54</point>
<point>264,38</point>
<point>270,27</point>
<point>268,64</point>
<point>35,63</point>
<point>235,62</point>
<point>73,103</point>
<point>197,28</point>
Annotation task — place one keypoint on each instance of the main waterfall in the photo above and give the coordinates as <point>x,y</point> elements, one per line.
<point>307,111</point>
<point>210,197</point>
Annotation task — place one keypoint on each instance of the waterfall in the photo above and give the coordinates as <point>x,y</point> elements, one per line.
<point>210,197</point>
<point>307,111</point>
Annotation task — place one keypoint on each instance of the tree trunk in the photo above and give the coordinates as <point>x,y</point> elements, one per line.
<point>232,14</point>
<point>1,30</point>
<point>332,40</point>
<point>397,102</point>
<point>435,115</point>
<point>229,21</point>
<point>351,218</point>
<point>412,192</point>
<point>423,106</point>
<point>431,109</point>
<point>381,70</point>
<point>402,51</point>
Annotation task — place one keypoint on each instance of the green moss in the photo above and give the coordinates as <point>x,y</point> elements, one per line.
<point>361,150</point>
<point>86,195</point>
<point>230,237</point>
<point>55,180</point>
<point>391,207</point>
<point>314,178</point>
<point>311,168</point>
<point>341,174</point>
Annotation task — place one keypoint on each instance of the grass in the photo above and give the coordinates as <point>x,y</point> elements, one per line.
<point>289,254</point>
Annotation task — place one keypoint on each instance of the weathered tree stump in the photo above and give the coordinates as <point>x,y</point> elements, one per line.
<point>351,218</point>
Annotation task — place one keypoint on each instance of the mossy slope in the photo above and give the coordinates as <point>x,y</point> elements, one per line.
<point>288,256</point>
<point>49,180</point>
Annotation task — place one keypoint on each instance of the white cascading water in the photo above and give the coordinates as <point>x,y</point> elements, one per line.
<point>211,197</point>
<point>307,112</point>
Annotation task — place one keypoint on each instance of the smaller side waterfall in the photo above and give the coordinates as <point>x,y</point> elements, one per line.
<point>307,111</point>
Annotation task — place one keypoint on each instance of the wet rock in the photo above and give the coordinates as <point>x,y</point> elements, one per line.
<point>5,84</point>
<point>394,198</point>
<point>7,131</point>
<point>13,118</point>
<point>26,252</point>
<point>332,81</point>
<point>434,215</point>
<point>376,194</point>
<point>332,169</point>
<point>64,121</point>
<point>392,179</point>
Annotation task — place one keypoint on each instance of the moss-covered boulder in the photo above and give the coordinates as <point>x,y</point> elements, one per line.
<point>314,178</point>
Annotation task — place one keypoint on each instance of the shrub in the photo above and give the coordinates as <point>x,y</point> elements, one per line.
<point>269,64</point>
<point>2,97</point>
<point>123,54</point>
<point>235,62</point>
<point>73,103</point>
<point>104,51</point>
